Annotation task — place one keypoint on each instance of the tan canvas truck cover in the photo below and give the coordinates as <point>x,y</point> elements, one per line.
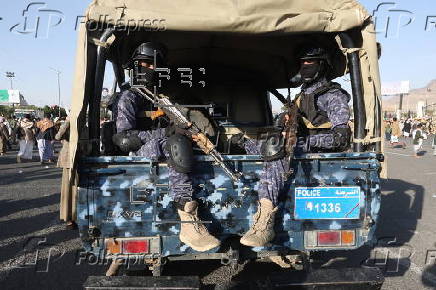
<point>275,17</point>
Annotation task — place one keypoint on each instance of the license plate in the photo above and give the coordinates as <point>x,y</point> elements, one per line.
<point>317,203</point>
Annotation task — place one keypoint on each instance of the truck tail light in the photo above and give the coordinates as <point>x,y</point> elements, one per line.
<point>135,247</point>
<point>127,246</point>
<point>331,238</point>
<point>348,238</point>
<point>113,246</point>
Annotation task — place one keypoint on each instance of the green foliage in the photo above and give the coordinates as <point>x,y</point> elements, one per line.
<point>6,111</point>
<point>54,111</point>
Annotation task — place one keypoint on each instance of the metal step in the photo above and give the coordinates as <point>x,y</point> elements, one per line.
<point>133,283</point>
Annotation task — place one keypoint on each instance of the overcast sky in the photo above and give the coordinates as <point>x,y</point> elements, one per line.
<point>408,48</point>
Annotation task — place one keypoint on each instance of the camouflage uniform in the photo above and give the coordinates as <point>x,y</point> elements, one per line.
<point>273,179</point>
<point>125,110</point>
<point>335,104</point>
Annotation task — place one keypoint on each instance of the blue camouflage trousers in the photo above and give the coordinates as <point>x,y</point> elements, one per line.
<point>154,148</point>
<point>272,178</point>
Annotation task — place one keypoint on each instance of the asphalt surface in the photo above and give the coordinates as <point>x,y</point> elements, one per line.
<point>37,252</point>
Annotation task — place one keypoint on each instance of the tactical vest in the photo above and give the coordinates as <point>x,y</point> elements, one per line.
<point>312,120</point>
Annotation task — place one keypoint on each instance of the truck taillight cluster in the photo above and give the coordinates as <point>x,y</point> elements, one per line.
<point>330,239</point>
<point>127,246</point>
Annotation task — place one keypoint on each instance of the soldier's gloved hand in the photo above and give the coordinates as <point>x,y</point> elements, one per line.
<point>342,137</point>
<point>177,129</point>
<point>127,141</point>
<point>280,121</point>
<point>195,117</point>
<point>200,120</point>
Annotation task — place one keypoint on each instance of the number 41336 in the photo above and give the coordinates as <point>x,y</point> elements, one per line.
<point>324,207</point>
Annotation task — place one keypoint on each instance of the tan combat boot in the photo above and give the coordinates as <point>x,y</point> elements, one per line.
<point>262,229</point>
<point>192,232</point>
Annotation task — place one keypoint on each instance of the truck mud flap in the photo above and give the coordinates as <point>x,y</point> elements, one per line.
<point>338,279</point>
<point>132,282</point>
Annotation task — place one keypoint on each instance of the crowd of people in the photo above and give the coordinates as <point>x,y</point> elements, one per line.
<point>28,131</point>
<point>417,129</point>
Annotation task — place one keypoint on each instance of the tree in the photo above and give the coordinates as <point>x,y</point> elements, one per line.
<point>6,111</point>
<point>53,111</point>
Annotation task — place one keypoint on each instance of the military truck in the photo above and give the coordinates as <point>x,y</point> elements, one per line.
<point>236,52</point>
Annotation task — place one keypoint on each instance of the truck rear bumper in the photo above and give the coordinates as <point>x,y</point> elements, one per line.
<point>338,279</point>
<point>134,282</point>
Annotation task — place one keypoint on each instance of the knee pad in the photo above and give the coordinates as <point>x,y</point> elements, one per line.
<point>180,153</point>
<point>127,141</point>
<point>273,148</point>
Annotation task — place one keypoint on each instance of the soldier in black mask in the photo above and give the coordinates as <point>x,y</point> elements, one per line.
<point>323,126</point>
<point>136,135</point>
<point>323,105</point>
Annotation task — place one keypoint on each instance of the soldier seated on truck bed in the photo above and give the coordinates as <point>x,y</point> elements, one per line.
<point>324,113</point>
<point>323,127</point>
<point>137,133</point>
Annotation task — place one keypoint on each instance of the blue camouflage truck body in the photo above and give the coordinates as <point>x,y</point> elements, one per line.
<point>127,197</point>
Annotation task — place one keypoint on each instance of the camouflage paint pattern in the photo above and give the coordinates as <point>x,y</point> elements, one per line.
<point>129,197</point>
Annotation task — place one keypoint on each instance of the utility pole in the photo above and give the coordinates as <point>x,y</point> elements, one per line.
<point>11,76</point>
<point>58,72</point>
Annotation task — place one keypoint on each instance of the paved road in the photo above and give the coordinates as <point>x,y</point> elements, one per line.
<point>29,229</point>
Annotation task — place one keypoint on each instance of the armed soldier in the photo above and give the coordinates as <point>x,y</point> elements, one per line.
<point>322,120</point>
<point>137,133</point>
<point>323,105</point>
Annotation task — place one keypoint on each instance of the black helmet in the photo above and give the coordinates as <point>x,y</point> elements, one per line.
<point>147,51</point>
<point>144,76</point>
<point>312,72</point>
<point>310,51</point>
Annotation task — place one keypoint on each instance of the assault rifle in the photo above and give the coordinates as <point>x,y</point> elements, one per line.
<point>291,127</point>
<point>290,124</point>
<point>175,115</point>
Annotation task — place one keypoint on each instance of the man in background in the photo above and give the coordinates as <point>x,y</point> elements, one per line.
<point>44,138</point>
<point>396,134</point>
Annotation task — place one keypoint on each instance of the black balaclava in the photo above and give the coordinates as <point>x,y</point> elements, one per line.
<point>311,72</point>
<point>144,76</point>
